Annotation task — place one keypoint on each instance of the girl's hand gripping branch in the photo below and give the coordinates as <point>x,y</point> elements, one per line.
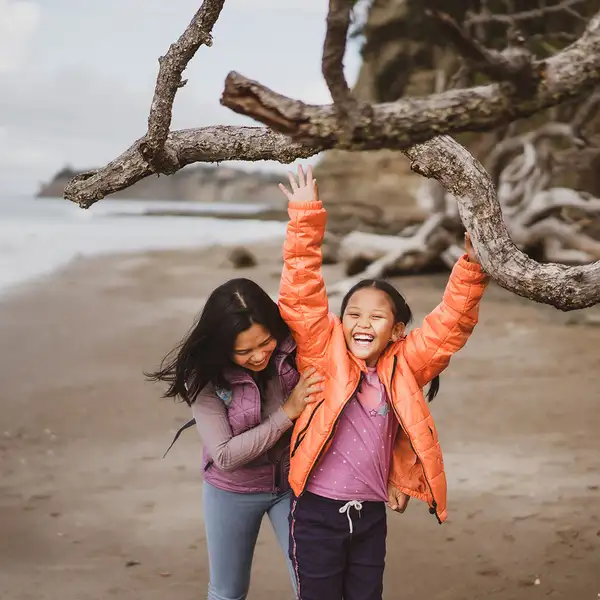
<point>470,250</point>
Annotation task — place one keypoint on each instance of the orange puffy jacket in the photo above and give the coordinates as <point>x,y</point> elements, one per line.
<point>405,367</point>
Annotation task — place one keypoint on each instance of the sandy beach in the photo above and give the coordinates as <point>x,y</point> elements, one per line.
<point>90,511</point>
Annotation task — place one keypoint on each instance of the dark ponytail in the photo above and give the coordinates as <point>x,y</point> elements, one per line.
<point>402,314</point>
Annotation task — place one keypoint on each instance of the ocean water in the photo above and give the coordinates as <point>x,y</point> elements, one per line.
<point>39,235</point>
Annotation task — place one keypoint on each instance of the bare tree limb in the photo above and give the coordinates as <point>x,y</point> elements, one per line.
<point>565,288</point>
<point>334,49</point>
<point>547,201</point>
<point>526,15</point>
<point>586,112</point>
<point>556,231</point>
<point>515,64</point>
<point>401,248</point>
<point>564,131</point>
<point>212,143</point>
<point>347,109</point>
<point>207,144</point>
<point>172,66</point>
<point>412,125</point>
<point>400,124</point>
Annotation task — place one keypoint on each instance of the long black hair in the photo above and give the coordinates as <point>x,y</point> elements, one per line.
<point>201,357</point>
<point>402,314</point>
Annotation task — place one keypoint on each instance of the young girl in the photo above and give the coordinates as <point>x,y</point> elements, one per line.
<point>236,370</point>
<point>370,437</point>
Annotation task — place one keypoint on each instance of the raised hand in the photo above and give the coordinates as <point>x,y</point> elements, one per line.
<point>307,390</point>
<point>303,188</point>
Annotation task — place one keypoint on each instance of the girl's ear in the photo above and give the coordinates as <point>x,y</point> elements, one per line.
<point>397,331</point>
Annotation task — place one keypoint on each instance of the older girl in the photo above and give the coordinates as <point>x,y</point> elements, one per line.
<point>236,370</point>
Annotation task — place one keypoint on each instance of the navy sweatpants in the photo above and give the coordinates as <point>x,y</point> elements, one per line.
<point>330,561</point>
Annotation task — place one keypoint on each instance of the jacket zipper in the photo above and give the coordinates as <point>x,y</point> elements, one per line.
<point>277,476</point>
<point>330,436</point>
<point>302,434</point>
<point>433,509</point>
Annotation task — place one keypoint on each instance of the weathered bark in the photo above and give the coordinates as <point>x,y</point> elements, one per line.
<point>515,64</point>
<point>410,253</point>
<point>403,55</point>
<point>408,124</point>
<point>566,288</point>
<point>206,144</point>
<point>169,81</point>
<point>526,15</point>
<point>398,125</point>
<point>553,220</point>
<point>334,49</point>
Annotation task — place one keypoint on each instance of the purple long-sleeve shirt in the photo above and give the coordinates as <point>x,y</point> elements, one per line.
<point>356,465</point>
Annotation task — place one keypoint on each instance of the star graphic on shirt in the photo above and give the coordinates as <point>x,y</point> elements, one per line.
<point>372,413</point>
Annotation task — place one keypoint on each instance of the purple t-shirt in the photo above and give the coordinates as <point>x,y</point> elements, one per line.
<point>357,464</point>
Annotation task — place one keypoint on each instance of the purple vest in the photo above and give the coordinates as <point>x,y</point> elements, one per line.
<point>269,472</point>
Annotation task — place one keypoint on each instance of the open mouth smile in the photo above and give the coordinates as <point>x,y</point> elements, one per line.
<point>260,364</point>
<point>363,340</point>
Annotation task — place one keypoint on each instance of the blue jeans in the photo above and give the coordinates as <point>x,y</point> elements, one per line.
<point>232,522</point>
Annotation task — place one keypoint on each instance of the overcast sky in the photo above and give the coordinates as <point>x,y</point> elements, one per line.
<point>77,76</point>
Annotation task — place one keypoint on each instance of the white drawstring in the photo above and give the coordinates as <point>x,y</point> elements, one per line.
<point>357,505</point>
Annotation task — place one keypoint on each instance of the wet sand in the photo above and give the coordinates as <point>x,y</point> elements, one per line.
<point>89,510</point>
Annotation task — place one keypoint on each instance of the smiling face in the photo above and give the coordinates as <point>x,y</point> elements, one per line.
<point>369,324</point>
<point>253,348</point>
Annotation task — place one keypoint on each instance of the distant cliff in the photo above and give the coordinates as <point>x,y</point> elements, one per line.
<point>196,183</point>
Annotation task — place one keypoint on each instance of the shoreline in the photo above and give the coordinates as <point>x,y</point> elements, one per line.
<point>43,236</point>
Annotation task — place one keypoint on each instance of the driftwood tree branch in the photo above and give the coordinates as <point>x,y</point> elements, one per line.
<point>412,125</point>
<point>334,49</point>
<point>526,15</point>
<point>565,288</point>
<point>515,64</point>
<point>350,114</point>
<point>402,123</point>
<point>398,125</point>
<point>172,66</point>
<point>207,144</point>
<point>410,250</point>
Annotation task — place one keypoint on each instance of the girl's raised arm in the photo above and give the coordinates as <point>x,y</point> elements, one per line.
<point>302,296</point>
<point>447,328</point>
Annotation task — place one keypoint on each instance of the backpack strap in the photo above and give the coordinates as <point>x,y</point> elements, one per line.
<point>185,426</point>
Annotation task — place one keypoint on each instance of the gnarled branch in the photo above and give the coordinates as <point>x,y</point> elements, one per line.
<point>207,144</point>
<point>526,15</point>
<point>415,247</point>
<point>334,49</point>
<point>409,124</point>
<point>565,288</point>
<point>400,124</point>
<point>515,64</point>
<point>172,66</point>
